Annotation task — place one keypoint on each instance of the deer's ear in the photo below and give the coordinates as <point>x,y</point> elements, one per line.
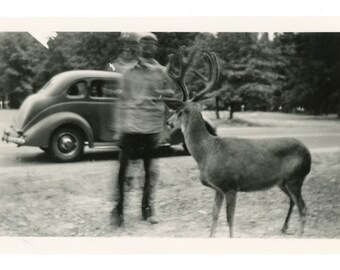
<point>174,104</point>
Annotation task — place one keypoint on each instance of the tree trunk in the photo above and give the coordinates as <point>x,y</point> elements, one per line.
<point>231,111</point>
<point>3,98</point>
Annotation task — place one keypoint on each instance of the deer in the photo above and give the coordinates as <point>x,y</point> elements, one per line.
<point>230,165</point>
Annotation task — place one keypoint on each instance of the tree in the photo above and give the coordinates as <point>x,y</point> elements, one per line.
<point>319,52</point>
<point>312,79</point>
<point>70,51</point>
<point>170,42</point>
<point>205,42</point>
<point>249,70</point>
<point>19,52</point>
<point>26,65</point>
<point>293,70</point>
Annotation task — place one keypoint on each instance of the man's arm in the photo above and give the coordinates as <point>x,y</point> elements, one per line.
<point>168,93</point>
<point>168,89</point>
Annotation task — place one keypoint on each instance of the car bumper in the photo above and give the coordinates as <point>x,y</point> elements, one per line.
<point>11,136</point>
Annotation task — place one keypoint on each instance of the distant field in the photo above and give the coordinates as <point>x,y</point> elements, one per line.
<point>276,119</point>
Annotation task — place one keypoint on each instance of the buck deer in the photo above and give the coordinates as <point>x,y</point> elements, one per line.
<point>230,165</point>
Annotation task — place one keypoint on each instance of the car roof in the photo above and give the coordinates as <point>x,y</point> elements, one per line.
<point>83,74</point>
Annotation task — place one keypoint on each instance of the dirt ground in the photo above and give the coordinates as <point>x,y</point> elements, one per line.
<point>48,199</point>
<point>59,200</point>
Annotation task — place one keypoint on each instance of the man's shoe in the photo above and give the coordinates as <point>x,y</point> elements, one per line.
<point>146,212</point>
<point>116,219</point>
<point>152,220</point>
<point>147,215</point>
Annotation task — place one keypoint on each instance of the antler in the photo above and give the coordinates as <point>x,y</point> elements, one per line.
<point>213,75</point>
<point>185,62</point>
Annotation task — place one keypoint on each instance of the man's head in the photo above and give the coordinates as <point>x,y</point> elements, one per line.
<point>148,43</point>
<point>135,43</point>
<point>129,45</point>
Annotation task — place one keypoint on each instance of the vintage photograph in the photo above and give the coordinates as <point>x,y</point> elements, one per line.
<point>170,134</point>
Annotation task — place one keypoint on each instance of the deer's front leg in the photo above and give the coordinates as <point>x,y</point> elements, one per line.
<point>216,211</point>
<point>230,197</point>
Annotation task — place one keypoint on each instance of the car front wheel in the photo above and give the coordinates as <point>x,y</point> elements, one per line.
<point>66,145</point>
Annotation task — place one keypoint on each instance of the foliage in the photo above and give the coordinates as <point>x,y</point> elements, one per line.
<point>169,43</point>
<point>20,55</point>
<point>293,70</point>
<point>311,71</point>
<point>249,70</point>
<point>70,51</point>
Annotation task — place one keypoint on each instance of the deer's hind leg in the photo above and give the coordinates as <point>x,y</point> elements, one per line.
<point>290,210</point>
<point>231,204</point>
<point>294,190</point>
<point>216,211</point>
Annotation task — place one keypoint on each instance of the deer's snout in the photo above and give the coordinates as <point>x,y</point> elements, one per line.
<point>173,120</point>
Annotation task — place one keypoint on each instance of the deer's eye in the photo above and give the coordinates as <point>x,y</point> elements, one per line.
<point>179,113</point>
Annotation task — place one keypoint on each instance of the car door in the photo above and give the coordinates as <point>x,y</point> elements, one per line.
<point>104,96</point>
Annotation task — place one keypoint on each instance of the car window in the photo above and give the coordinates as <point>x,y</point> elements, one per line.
<point>78,89</point>
<point>104,88</point>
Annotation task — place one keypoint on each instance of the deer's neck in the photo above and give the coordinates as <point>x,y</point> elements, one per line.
<point>197,137</point>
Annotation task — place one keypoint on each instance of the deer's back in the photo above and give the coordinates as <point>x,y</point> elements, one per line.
<point>247,165</point>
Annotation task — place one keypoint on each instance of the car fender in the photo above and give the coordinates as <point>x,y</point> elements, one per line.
<point>40,133</point>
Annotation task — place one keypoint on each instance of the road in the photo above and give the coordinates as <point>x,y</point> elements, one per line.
<point>317,139</point>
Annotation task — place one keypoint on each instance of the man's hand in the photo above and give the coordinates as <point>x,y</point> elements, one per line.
<point>168,93</point>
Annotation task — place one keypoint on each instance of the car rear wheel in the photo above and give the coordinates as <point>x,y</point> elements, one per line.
<point>66,145</point>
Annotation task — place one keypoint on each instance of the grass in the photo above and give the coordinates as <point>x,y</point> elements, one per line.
<point>271,119</point>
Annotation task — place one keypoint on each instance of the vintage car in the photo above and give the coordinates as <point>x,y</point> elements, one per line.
<point>73,110</point>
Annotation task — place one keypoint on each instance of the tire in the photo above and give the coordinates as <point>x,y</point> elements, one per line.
<point>66,145</point>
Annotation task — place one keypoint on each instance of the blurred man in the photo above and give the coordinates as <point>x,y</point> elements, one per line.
<point>142,122</point>
<point>127,58</point>
<point>129,52</point>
